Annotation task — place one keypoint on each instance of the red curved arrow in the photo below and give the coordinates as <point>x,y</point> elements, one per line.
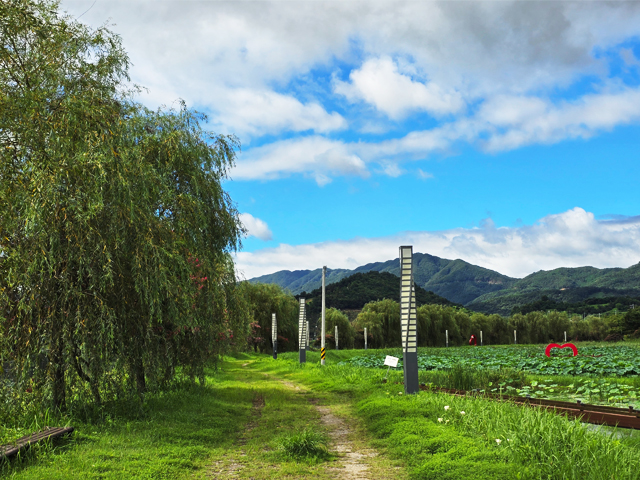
<point>547,351</point>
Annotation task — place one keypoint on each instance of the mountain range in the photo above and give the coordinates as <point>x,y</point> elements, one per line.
<point>482,289</point>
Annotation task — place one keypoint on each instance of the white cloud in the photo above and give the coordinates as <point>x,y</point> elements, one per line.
<point>424,175</point>
<point>256,227</point>
<point>258,112</point>
<point>530,120</point>
<point>238,60</point>
<point>314,156</point>
<point>629,57</point>
<point>379,83</point>
<point>570,239</point>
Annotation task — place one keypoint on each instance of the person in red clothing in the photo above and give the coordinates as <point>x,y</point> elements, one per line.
<point>473,341</point>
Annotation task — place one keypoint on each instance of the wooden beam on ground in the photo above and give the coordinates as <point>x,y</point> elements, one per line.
<point>12,449</point>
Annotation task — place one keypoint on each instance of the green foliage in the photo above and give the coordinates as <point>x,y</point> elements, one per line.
<point>264,299</point>
<point>346,332</point>
<point>631,320</point>
<point>382,320</point>
<point>361,288</point>
<point>306,445</point>
<point>621,361</point>
<point>115,231</point>
<point>444,436</point>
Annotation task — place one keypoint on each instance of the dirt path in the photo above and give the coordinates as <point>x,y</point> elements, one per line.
<point>284,407</point>
<point>353,460</point>
<point>230,468</point>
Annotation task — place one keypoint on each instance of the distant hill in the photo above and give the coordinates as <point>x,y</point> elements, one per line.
<point>483,290</point>
<point>571,289</point>
<point>353,292</point>
<point>456,280</point>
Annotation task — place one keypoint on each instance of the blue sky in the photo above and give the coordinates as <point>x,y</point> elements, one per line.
<point>503,133</point>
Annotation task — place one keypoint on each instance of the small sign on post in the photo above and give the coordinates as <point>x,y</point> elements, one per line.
<point>390,362</point>
<point>336,337</point>
<point>274,335</point>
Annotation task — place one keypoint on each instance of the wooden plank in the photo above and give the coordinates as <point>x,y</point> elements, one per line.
<point>10,450</point>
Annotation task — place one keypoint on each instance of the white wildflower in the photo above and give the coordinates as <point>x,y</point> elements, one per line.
<point>446,407</point>
<point>498,441</point>
<point>462,413</point>
<point>440,420</point>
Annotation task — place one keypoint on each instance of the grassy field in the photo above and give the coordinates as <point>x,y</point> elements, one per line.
<point>260,418</point>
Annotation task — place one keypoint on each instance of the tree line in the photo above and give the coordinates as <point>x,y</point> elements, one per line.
<point>382,320</point>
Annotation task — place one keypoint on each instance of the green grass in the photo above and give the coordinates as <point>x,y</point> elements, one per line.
<point>491,440</point>
<point>306,445</point>
<point>247,423</point>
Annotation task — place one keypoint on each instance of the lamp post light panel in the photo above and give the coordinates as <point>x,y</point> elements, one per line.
<point>408,320</point>
<point>302,332</point>
<point>274,335</point>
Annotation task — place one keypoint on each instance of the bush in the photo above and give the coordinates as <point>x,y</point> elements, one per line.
<point>308,444</point>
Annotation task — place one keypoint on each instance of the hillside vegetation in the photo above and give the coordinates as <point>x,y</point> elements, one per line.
<point>584,290</point>
<point>456,280</point>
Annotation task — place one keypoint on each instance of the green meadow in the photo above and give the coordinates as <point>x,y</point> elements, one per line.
<point>256,417</point>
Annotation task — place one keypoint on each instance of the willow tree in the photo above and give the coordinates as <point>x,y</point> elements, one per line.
<point>115,232</point>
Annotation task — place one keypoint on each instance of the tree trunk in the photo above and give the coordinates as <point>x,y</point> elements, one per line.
<point>57,368</point>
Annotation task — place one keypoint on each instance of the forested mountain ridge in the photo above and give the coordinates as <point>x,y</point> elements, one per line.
<point>488,291</point>
<point>456,280</point>
<point>568,287</point>
<point>353,292</point>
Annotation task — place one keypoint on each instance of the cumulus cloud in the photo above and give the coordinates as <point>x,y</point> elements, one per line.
<point>315,156</point>
<point>570,239</point>
<point>256,227</point>
<point>258,112</point>
<point>238,61</point>
<point>379,83</point>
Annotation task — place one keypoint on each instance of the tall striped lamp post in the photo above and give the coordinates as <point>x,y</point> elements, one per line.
<point>274,335</point>
<point>323,350</point>
<point>302,334</point>
<point>408,320</point>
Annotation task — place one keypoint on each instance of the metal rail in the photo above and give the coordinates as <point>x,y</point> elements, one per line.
<point>12,449</point>
<point>596,414</point>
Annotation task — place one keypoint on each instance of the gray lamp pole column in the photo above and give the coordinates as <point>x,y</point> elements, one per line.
<point>307,330</point>
<point>336,337</point>
<point>446,338</point>
<point>274,335</point>
<point>515,339</point>
<point>365,338</point>
<point>480,337</point>
<point>322,348</point>
<point>302,334</point>
<point>408,319</point>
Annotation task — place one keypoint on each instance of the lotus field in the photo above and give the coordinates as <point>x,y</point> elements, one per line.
<point>599,374</point>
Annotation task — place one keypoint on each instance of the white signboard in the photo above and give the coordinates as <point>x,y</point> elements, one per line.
<point>391,361</point>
